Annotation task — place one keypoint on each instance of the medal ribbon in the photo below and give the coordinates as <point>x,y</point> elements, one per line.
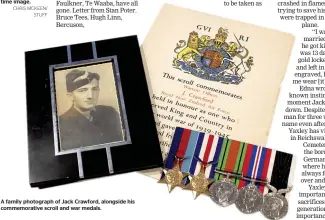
<point>203,149</point>
<point>255,165</point>
<point>178,147</point>
<point>231,157</point>
<point>203,154</point>
<point>281,171</point>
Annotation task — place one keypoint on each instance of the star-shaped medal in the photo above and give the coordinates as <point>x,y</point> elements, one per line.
<point>172,177</point>
<point>199,183</point>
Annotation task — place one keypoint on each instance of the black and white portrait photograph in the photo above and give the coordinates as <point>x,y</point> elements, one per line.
<point>87,106</point>
<point>89,112</point>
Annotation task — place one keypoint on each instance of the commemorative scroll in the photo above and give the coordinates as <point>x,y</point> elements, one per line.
<point>213,75</point>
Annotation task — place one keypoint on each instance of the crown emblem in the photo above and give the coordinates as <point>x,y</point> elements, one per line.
<point>222,35</point>
<point>213,58</point>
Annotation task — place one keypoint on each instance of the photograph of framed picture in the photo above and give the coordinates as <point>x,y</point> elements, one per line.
<point>88,106</point>
<point>89,112</point>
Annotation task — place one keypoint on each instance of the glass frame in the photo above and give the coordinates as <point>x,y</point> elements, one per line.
<point>121,104</point>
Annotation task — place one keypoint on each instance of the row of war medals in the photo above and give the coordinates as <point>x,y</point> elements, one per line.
<point>248,199</point>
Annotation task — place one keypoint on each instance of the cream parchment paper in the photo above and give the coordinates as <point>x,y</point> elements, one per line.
<point>182,97</point>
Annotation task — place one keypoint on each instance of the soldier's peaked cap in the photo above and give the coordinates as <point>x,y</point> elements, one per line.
<point>77,78</point>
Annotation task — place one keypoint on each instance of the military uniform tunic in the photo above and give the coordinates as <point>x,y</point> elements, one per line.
<point>78,131</point>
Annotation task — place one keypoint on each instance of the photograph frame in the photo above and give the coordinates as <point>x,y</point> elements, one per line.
<point>140,153</point>
<point>120,99</point>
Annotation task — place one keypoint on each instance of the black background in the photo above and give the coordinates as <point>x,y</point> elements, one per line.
<point>45,168</point>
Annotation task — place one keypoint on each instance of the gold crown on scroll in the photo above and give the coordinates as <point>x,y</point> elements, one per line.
<point>222,35</point>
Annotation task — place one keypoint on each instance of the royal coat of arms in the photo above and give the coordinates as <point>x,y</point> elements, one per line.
<point>213,59</point>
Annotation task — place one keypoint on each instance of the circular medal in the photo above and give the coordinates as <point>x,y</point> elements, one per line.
<point>275,206</point>
<point>224,192</point>
<point>250,199</point>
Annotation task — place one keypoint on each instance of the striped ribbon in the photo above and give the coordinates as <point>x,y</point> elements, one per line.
<point>228,155</point>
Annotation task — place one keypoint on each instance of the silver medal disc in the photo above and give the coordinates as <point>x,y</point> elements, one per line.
<point>274,206</point>
<point>224,193</point>
<point>250,199</point>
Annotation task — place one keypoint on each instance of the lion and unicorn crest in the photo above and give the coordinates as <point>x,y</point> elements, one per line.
<point>213,59</point>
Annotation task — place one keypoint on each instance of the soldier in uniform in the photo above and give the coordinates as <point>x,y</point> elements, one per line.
<point>86,123</point>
